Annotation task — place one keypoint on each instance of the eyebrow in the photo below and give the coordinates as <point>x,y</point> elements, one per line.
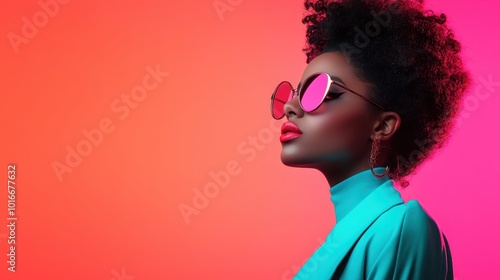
<point>335,78</point>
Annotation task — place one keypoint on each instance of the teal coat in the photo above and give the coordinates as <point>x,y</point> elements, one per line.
<point>378,236</point>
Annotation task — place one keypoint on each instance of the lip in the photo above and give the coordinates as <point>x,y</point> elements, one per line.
<point>289,131</point>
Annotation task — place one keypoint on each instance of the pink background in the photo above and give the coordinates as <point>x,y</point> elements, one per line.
<point>117,213</point>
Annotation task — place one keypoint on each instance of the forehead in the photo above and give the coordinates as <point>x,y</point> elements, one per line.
<point>334,64</point>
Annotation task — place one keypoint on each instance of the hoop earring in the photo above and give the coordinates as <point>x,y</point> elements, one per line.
<point>373,156</point>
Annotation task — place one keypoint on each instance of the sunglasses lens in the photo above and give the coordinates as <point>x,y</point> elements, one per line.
<point>282,95</point>
<point>313,92</point>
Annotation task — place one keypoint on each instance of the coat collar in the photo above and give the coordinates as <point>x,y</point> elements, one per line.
<point>348,193</point>
<point>347,231</point>
<point>326,260</point>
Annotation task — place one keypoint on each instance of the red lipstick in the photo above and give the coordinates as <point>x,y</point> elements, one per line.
<point>289,131</point>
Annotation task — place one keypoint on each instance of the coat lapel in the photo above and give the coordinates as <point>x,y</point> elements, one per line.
<point>347,232</point>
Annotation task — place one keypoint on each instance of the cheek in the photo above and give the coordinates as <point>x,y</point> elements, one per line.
<point>343,130</point>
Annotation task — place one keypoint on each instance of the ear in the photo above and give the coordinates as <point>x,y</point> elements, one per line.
<point>386,124</point>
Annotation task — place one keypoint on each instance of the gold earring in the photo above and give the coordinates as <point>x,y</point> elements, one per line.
<point>373,157</point>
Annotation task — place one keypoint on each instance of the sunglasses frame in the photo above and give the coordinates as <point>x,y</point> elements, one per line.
<point>299,92</point>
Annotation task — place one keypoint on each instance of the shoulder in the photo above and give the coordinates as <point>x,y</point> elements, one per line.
<point>418,224</point>
<point>408,218</point>
<point>413,242</point>
<point>423,246</point>
<point>411,223</point>
<point>409,229</point>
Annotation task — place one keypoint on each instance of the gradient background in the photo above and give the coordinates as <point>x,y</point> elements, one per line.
<point>116,215</point>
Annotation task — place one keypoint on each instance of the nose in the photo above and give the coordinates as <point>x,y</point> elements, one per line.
<point>292,107</point>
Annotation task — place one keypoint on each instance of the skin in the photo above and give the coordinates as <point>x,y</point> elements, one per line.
<point>337,137</point>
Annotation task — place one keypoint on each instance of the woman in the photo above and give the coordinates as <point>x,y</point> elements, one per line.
<point>383,85</point>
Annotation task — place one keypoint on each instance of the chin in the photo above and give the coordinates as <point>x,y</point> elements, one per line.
<point>294,160</point>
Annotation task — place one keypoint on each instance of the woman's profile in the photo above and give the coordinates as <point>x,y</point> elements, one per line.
<point>383,85</point>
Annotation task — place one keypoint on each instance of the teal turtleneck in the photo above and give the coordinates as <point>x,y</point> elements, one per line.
<point>346,194</point>
<point>378,236</point>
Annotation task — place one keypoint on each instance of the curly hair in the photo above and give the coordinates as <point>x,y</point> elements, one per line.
<point>411,57</point>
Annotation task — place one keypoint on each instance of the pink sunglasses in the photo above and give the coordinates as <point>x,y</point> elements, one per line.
<point>311,94</point>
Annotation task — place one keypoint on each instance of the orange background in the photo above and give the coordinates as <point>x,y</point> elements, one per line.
<point>115,214</point>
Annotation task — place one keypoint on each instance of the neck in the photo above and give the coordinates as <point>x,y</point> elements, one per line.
<point>348,193</point>
<point>335,174</point>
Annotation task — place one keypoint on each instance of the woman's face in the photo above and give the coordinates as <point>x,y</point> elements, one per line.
<point>337,134</point>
